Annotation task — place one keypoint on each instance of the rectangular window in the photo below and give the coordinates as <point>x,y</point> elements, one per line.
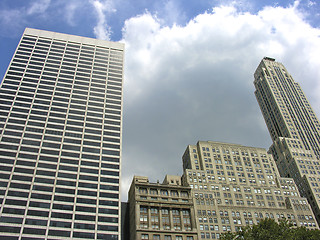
<point>156,237</point>
<point>144,236</point>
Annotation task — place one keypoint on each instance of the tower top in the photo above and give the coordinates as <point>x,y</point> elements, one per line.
<point>269,59</point>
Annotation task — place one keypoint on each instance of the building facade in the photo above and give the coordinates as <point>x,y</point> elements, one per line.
<point>293,126</point>
<point>60,138</point>
<point>233,186</point>
<point>161,211</point>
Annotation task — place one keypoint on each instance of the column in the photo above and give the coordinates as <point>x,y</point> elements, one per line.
<point>160,219</point>
<point>171,218</point>
<point>181,220</point>
<point>149,217</point>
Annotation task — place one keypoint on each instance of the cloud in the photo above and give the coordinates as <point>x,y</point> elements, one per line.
<point>14,20</point>
<point>172,11</point>
<point>311,3</point>
<point>69,11</point>
<point>7,16</point>
<point>102,30</point>
<point>195,82</point>
<point>38,7</point>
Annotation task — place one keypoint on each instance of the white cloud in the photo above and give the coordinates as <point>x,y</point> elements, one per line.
<point>311,3</point>
<point>70,10</point>
<point>38,7</point>
<point>11,21</point>
<point>8,16</point>
<point>173,12</point>
<point>102,30</point>
<point>195,82</point>
<point>14,20</point>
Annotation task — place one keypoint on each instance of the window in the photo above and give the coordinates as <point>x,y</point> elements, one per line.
<point>156,237</point>
<point>143,217</point>
<point>154,218</point>
<point>165,218</point>
<point>174,193</point>
<point>187,220</point>
<point>143,190</point>
<point>184,194</point>
<point>176,219</point>
<point>153,191</point>
<point>164,192</point>
<point>144,236</point>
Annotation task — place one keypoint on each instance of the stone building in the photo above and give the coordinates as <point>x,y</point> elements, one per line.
<point>233,186</point>
<point>161,210</point>
<point>293,127</point>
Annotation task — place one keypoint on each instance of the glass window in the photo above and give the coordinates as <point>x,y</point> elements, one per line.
<point>59,233</point>
<point>156,237</point>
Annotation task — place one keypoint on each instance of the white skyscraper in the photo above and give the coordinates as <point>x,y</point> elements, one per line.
<point>60,138</point>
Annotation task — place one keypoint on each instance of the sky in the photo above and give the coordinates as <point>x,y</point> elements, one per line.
<point>188,66</point>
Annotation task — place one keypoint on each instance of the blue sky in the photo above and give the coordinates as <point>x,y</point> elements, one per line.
<point>189,65</point>
<point>82,17</point>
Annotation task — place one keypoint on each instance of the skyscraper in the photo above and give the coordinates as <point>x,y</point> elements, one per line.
<point>293,126</point>
<point>60,133</point>
<point>234,186</point>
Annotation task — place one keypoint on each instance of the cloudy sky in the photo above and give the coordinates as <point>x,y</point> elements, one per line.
<point>189,66</point>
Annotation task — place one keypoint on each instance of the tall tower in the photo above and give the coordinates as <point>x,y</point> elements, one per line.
<point>293,126</point>
<point>60,133</point>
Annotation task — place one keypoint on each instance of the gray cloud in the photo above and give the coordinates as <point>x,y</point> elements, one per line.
<point>195,82</point>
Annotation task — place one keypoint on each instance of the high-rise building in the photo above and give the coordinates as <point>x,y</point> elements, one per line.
<point>233,186</point>
<point>293,126</point>
<point>60,133</point>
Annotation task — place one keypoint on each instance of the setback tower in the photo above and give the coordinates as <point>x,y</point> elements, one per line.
<point>293,127</point>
